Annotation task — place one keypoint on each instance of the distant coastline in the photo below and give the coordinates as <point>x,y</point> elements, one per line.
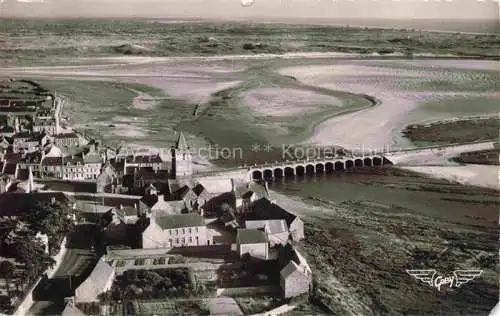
<point>465,26</point>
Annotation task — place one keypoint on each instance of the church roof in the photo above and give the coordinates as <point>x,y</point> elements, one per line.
<point>181,143</point>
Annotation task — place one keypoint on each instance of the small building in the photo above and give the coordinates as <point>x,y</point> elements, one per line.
<point>99,281</point>
<point>296,275</point>
<point>128,214</point>
<point>248,193</point>
<point>253,242</point>
<point>276,230</point>
<point>70,140</point>
<point>263,209</point>
<point>180,230</point>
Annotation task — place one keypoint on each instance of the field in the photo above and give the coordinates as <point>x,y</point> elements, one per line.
<point>486,157</point>
<point>456,131</point>
<point>51,41</point>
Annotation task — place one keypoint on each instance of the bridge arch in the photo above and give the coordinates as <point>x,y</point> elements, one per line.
<point>329,167</point>
<point>257,175</point>
<point>377,161</point>
<point>320,168</point>
<point>300,170</point>
<point>278,173</point>
<point>358,163</point>
<point>339,165</point>
<point>367,162</point>
<point>268,173</point>
<point>349,164</point>
<point>310,169</point>
<point>289,171</point>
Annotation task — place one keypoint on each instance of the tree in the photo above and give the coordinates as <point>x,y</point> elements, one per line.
<point>7,269</point>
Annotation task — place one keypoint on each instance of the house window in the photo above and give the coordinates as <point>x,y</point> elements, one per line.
<point>196,229</point>
<point>197,241</point>
<point>190,240</point>
<point>183,241</point>
<point>189,230</point>
<point>183,231</point>
<point>177,231</point>
<point>176,240</point>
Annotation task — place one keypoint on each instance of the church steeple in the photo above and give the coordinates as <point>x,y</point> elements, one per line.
<point>181,158</point>
<point>181,143</point>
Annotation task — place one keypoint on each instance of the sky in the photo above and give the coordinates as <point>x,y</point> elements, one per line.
<point>387,9</point>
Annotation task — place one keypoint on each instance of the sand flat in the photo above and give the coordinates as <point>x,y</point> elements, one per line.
<point>287,102</point>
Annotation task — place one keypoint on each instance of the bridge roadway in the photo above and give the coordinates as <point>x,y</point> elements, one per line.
<point>358,159</point>
<point>313,166</point>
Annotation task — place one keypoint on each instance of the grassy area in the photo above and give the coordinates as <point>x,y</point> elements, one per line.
<point>483,157</point>
<point>463,105</point>
<point>106,37</point>
<point>454,131</point>
<point>454,80</point>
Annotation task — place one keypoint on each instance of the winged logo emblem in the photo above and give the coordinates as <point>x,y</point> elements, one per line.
<point>433,279</point>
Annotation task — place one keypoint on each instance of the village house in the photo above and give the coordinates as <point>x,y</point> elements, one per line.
<point>99,281</point>
<point>147,176</point>
<point>32,160</point>
<point>128,214</point>
<point>276,230</point>
<point>263,209</point>
<point>253,242</point>
<point>175,231</point>
<point>28,141</point>
<point>69,140</point>
<point>137,161</point>
<point>295,275</point>
<point>46,125</point>
<point>248,193</point>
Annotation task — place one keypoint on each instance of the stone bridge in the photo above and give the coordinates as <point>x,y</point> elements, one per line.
<point>412,156</point>
<point>310,167</point>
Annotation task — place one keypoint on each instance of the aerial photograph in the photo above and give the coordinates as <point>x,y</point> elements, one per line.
<point>249,157</point>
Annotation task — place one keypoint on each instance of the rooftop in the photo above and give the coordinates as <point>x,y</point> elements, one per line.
<point>251,236</point>
<point>179,221</point>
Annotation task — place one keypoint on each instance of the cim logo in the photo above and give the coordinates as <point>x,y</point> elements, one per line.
<point>456,279</point>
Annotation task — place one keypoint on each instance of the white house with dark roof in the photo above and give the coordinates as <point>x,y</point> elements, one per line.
<point>179,230</point>
<point>296,275</point>
<point>253,242</point>
<point>99,281</point>
<point>276,230</point>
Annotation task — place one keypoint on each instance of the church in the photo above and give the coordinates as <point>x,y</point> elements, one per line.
<point>181,159</point>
